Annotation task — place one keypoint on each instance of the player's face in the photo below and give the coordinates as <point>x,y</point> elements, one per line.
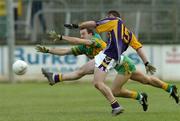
<point>84,34</point>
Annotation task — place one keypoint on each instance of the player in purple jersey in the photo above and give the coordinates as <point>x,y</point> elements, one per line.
<point>119,40</point>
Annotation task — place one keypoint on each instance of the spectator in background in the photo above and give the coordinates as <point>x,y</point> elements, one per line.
<point>36,7</point>
<point>17,5</point>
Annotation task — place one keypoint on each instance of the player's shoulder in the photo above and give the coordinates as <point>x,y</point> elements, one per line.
<point>96,38</point>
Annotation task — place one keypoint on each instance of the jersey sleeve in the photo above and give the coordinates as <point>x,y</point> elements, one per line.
<point>135,44</point>
<point>77,50</point>
<point>105,25</point>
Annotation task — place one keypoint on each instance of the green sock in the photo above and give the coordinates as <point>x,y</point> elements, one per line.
<point>169,88</point>
<point>135,95</point>
<point>138,96</point>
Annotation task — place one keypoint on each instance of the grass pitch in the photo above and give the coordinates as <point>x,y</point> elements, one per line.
<point>80,102</point>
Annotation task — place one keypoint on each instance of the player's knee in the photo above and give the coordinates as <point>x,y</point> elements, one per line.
<point>116,92</point>
<point>97,85</point>
<point>80,73</point>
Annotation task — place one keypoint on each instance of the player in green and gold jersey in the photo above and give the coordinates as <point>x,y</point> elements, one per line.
<point>90,44</point>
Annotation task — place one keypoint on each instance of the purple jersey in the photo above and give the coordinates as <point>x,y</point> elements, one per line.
<point>119,38</point>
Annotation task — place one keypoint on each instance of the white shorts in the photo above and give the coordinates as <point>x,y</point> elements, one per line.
<point>104,63</point>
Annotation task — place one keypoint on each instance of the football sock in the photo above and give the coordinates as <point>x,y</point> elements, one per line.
<point>115,104</point>
<point>57,77</point>
<point>60,77</point>
<point>135,95</point>
<point>167,87</point>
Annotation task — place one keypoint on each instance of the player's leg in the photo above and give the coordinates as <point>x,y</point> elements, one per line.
<point>118,91</point>
<point>145,79</point>
<point>54,78</point>
<point>117,85</point>
<point>102,65</point>
<point>156,82</point>
<point>87,68</point>
<point>98,82</point>
<point>124,73</point>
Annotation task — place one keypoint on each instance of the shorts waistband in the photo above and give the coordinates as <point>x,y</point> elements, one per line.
<point>122,59</point>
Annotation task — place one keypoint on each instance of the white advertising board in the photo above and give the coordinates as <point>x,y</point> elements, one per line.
<point>165,58</point>
<point>37,60</point>
<point>171,62</point>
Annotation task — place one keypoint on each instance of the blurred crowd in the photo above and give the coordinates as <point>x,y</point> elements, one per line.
<point>159,24</point>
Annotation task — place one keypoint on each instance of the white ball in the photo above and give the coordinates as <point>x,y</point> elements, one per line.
<point>20,67</point>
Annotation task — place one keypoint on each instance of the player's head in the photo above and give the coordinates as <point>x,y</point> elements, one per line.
<point>112,14</point>
<point>86,33</point>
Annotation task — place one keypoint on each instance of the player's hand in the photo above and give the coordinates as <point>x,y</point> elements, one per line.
<point>71,26</point>
<point>54,36</point>
<point>150,68</point>
<point>41,49</point>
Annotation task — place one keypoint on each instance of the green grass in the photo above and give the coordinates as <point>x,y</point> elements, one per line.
<point>79,102</point>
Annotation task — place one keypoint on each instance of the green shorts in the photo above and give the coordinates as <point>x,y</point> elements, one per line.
<point>127,66</point>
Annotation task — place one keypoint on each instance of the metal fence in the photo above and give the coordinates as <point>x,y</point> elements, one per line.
<point>153,21</point>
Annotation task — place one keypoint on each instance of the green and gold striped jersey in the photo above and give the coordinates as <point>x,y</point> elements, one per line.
<point>92,50</point>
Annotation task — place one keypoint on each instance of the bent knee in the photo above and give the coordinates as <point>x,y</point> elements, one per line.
<point>97,85</point>
<point>115,92</point>
<point>80,73</point>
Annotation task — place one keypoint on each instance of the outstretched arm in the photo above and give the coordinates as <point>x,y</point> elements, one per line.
<point>74,40</point>
<point>60,51</point>
<point>86,24</point>
<point>104,25</point>
<point>55,51</point>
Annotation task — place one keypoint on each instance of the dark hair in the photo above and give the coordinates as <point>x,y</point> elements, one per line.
<point>114,13</point>
<point>88,30</point>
